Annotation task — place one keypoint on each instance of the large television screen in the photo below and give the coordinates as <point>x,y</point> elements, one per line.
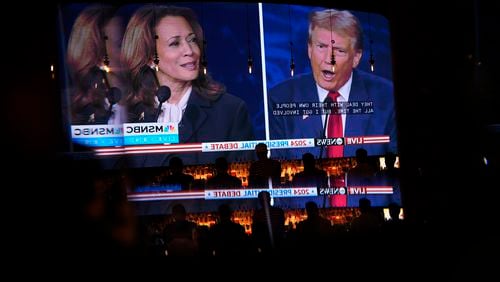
<point>147,83</point>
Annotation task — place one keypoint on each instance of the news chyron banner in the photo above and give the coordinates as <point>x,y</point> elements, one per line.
<point>220,194</point>
<point>150,133</point>
<point>250,145</point>
<point>253,193</point>
<point>173,193</point>
<point>292,143</point>
<point>102,135</point>
<point>356,190</point>
<point>165,138</point>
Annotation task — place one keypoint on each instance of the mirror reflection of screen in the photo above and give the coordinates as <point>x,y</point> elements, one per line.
<point>213,80</point>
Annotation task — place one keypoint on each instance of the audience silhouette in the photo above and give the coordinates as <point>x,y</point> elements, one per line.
<point>268,225</point>
<point>311,176</point>
<point>315,232</point>
<point>227,237</point>
<point>222,178</point>
<point>181,236</point>
<point>177,176</point>
<point>264,170</point>
<point>368,221</point>
<point>364,172</point>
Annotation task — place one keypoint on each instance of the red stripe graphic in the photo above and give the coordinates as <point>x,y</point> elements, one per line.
<point>336,200</point>
<point>192,147</point>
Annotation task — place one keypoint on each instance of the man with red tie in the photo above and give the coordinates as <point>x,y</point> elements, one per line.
<point>359,103</point>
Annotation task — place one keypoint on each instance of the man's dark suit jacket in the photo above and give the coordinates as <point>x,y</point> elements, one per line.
<point>365,88</point>
<point>224,119</point>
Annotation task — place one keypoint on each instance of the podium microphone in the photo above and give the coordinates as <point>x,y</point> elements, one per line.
<point>163,94</point>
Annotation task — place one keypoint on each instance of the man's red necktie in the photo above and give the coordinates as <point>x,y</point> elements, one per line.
<point>335,128</point>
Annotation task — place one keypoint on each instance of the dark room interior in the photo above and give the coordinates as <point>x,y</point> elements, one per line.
<point>445,67</point>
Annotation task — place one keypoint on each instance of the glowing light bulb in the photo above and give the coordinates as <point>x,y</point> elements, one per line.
<point>372,63</point>
<point>52,74</point>
<point>105,68</point>
<point>250,64</point>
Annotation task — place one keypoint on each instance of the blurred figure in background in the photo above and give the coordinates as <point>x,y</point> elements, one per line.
<point>180,236</point>
<point>228,238</point>
<point>177,177</point>
<point>222,178</point>
<point>268,225</point>
<point>264,171</point>
<point>93,57</point>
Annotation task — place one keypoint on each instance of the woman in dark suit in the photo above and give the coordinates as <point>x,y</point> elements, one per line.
<point>161,50</point>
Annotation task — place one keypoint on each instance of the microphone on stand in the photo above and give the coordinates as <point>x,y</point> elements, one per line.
<point>113,94</point>
<point>328,100</point>
<point>163,94</point>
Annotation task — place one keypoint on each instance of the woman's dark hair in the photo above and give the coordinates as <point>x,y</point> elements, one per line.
<point>85,53</point>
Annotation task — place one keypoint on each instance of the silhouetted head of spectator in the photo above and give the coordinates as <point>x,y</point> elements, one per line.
<point>365,205</point>
<point>390,159</point>
<point>224,212</point>
<point>394,210</point>
<point>176,165</point>
<point>264,198</point>
<point>179,212</point>
<point>221,165</point>
<point>308,161</point>
<point>261,151</point>
<point>312,209</point>
<point>361,155</point>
